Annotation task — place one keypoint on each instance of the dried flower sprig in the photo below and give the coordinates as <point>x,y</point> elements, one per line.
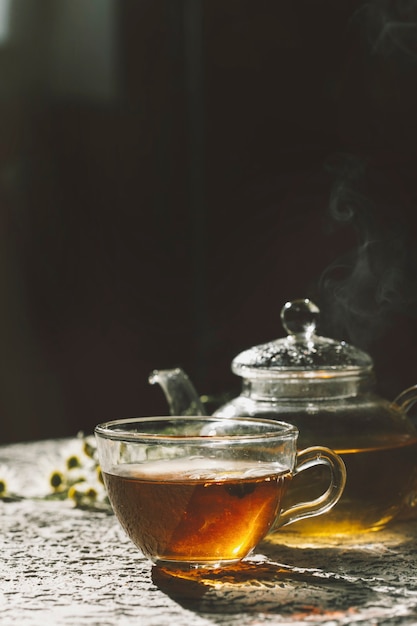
<point>78,476</point>
<point>75,475</point>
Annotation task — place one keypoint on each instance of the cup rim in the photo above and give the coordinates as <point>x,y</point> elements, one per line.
<point>113,429</point>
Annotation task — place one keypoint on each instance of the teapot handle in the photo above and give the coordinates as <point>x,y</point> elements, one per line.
<point>406,399</point>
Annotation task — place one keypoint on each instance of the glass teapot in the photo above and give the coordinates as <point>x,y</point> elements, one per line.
<point>327,389</point>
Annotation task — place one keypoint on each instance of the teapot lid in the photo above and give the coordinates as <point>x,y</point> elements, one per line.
<point>303,353</point>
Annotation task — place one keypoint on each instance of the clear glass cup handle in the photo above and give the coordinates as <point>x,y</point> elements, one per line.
<point>310,457</point>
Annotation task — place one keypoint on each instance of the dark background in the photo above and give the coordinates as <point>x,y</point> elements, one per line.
<point>173,171</point>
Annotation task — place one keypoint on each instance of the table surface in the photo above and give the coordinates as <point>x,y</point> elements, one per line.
<point>65,565</point>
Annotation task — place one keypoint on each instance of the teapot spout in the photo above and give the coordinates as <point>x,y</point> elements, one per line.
<point>179,391</point>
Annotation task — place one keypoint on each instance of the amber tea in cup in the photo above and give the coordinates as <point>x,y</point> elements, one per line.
<point>204,491</point>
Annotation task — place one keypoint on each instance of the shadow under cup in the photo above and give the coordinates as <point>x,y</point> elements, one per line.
<point>204,491</point>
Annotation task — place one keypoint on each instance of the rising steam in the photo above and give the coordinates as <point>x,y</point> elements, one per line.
<point>362,290</point>
<point>391,27</point>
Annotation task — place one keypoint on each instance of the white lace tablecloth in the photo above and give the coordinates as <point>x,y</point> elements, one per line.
<point>62,565</point>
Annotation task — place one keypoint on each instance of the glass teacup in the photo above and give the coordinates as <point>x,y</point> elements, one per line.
<point>204,491</point>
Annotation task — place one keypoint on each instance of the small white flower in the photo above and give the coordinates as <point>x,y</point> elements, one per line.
<point>9,482</point>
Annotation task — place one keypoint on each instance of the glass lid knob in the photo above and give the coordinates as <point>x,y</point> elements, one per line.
<point>300,317</point>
